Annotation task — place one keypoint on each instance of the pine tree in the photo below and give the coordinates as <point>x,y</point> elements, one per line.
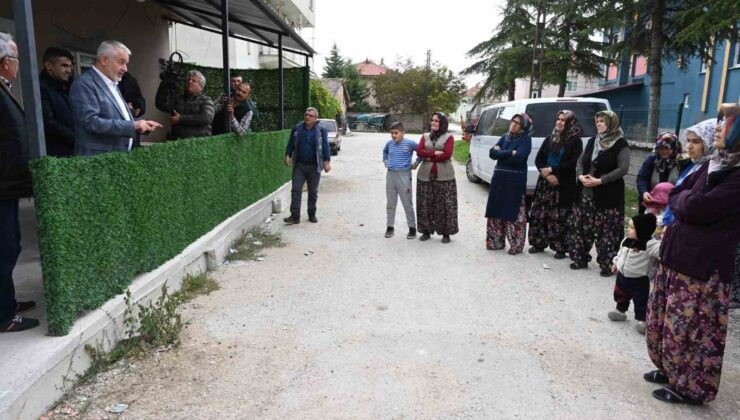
<point>335,64</point>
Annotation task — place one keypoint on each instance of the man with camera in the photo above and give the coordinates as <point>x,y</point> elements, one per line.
<point>238,110</point>
<point>192,111</point>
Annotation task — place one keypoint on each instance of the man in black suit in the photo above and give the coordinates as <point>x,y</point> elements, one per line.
<point>15,183</point>
<point>55,80</point>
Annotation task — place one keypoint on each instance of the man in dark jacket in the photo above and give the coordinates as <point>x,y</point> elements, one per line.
<point>15,183</point>
<point>56,78</point>
<point>193,110</point>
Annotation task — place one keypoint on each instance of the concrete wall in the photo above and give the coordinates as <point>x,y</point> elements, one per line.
<point>80,25</point>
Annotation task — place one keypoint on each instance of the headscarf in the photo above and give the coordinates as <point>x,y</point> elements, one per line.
<point>443,126</point>
<point>613,132</point>
<point>525,123</point>
<point>571,130</point>
<point>729,155</point>
<point>705,131</point>
<point>670,141</point>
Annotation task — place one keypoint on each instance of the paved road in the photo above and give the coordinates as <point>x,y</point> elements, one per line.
<point>369,327</point>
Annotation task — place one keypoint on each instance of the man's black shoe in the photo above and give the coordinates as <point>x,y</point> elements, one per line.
<point>23,307</point>
<point>18,323</point>
<point>312,218</point>
<point>292,220</point>
<point>389,231</point>
<point>411,234</point>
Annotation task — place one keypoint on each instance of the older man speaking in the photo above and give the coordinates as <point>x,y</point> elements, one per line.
<point>103,121</point>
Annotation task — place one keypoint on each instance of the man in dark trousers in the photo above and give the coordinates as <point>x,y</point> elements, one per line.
<point>56,78</point>
<point>308,151</point>
<point>15,183</point>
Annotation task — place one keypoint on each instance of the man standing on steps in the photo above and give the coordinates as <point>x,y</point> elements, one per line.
<point>308,151</point>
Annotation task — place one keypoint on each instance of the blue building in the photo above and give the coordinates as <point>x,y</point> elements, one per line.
<point>698,90</point>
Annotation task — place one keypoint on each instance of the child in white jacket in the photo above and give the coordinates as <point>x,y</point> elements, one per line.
<point>631,265</point>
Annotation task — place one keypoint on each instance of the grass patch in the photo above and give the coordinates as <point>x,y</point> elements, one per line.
<point>197,285</point>
<point>461,151</point>
<point>631,202</point>
<point>250,244</point>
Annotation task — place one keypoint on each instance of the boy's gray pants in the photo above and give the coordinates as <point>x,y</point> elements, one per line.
<point>398,183</point>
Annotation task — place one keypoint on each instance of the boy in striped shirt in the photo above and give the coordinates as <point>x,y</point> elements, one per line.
<point>397,155</point>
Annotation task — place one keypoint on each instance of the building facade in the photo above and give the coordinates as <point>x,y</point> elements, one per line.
<point>369,71</point>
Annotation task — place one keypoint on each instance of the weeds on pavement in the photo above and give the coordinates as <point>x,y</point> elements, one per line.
<point>249,245</point>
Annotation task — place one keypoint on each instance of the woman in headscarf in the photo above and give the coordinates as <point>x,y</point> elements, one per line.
<point>699,147</point>
<point>506,210</point>
<point>436,190</point>
<point>556,185</point>
<point>661,166</point>
<point>687,309</point>
<point>598,213</point>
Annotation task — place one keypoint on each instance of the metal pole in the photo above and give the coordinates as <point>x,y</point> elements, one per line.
<point>679,116</point>
<point>225,52</point>
<point>25,35</point>
<point>542,53</point>
<point>281,85</point>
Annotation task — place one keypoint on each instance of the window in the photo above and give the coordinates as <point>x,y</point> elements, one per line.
<point>611,72</point>
<point>705,64</point>
<point>543,116</point>
<point>501,125</point>
<point>535,94</point>
<point>736,61</point>
<point>83,62</point>
<point>485,122</point>
<point>329,126</point>
<point>639,65</point>
<point>571,83</point>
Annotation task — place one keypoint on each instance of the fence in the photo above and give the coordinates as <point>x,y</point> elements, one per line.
<point>265,85</point>
<point>103,220</point>
<point>634,121</point>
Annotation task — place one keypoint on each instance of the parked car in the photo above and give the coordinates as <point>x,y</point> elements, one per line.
<point>495,119</point>
<point>335,136</point>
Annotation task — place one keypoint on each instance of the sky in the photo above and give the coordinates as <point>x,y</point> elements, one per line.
<point>393,29</point>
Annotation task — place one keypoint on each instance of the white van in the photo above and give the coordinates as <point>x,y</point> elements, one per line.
<point>495,120</point>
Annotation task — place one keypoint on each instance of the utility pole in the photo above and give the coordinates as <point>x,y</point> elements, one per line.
<point>542,46</point>
<point>534,50</point>
<point>426,88</point>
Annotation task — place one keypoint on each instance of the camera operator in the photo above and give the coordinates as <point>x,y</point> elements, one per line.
<point>238,109</point>
<point>192,111</point>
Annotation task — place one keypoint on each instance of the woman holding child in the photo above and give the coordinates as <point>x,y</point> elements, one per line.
<point>506,210</point>
<point>598,214</point>
<point>687,309</point>
<point>556,186</point>
<point>661,166</point>
<point>436,190</point>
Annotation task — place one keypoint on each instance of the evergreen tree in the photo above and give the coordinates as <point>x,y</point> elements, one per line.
<point>335,64</point>
<point>356,87</point>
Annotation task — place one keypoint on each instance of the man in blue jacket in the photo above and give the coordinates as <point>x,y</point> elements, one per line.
<point>55,81</point>
<point>103,120</point>
<point>308,151</point>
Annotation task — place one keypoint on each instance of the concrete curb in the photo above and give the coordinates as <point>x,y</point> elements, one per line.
<point>54,369</point>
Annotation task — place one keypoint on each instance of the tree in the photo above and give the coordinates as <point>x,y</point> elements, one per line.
<point>419,90</point>
<point>321,99</point>
<point>335,64</point>
<point>356,87</point>
<point>663,29</point>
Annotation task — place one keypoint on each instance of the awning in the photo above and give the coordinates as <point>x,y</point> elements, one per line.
<point>249,20</point>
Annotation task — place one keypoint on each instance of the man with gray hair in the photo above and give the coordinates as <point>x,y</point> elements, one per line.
<point>15,183</point>
<point>192,110</point>
<point>309,153</point>
<point>103,121</point>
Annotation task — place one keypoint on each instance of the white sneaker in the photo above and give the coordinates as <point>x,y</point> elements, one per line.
<point>617,316</point>
<point>640,327</point>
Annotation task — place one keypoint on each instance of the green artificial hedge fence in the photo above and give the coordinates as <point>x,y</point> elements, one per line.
<point>105,219</point>
<point>265,86</point>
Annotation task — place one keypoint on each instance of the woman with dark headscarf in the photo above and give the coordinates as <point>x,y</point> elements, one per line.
<point>687,309</point>
<point>556,186</point>
<point>598,213</point>
<point>506,211</point>
<point>661,166</point>
<point>436,190</point>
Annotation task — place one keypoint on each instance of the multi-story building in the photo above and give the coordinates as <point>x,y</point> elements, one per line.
<point>369,71</point>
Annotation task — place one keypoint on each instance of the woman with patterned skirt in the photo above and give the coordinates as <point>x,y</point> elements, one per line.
<point>598,213</point>
<point>687,309</point>
<point>556,186</point>
<point>436,190</point>
<point>505,210</point>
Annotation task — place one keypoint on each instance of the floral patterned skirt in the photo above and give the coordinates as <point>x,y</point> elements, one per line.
<point>436,207</point>
<point>497,230</point>
<point>686,331</point>
<point>589,225</point>
<point>547,221</point>
<point>735,295</point>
